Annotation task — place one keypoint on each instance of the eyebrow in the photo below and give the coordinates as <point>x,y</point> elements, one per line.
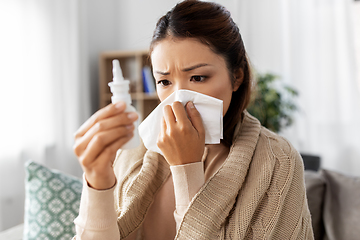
<point>185,69</point>
<point>195,67</point>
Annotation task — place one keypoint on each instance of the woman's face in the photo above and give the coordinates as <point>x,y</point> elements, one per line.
<point>191,65</point>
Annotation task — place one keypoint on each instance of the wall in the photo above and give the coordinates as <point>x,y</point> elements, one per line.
<point>99,24</point>
<point>357,36</point>
<point>137,19</point>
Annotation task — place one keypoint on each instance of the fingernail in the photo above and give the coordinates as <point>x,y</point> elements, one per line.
<point>132,115</point>
<point>119,105</point>
<point>130,126</point>
<point>191,104</point>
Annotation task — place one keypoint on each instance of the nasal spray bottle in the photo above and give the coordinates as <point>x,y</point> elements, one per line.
<point>120,90</point>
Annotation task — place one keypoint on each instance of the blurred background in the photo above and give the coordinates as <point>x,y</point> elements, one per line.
<point>49,77</point>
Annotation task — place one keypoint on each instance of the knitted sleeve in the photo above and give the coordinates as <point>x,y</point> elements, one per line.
<point>188,179</point>
<point>97,217</point>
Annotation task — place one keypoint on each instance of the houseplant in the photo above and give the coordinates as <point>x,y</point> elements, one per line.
<point>273,103</point>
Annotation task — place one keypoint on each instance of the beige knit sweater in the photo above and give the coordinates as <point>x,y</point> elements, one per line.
<point>258,193</point>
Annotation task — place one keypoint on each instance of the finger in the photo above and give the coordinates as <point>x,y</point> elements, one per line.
<point>162,133</point>
<point>122,119</point>
<point>169,116</point>
<point>163,125</point>
<point>103,113</point>
<point>82,143</point>
<point>101,141</point>
<point>179,112</point>
<point>195,118</point>
<point>109,152</point>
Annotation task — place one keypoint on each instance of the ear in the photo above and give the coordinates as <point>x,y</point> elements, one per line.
<point>238,76</point>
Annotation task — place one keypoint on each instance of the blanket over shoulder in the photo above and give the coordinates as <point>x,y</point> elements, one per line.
<point>258,193</point>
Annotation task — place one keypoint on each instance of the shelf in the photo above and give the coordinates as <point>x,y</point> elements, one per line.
<point>132,63</point>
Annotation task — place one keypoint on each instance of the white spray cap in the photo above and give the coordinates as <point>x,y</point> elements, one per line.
<point>117,73</point>
<point>119,86</point>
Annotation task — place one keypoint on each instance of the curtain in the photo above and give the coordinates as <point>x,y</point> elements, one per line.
<point>310,44</point>
<point>43,92</point>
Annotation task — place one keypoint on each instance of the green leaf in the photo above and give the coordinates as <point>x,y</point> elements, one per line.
<point>273,107</point>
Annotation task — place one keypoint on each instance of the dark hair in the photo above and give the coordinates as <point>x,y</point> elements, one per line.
<point>212,24</point>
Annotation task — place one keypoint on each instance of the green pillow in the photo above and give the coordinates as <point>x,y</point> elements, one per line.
<point>52,201</point>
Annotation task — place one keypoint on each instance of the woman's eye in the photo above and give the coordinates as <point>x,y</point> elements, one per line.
<point>164,83</point>
<point>198,78</point>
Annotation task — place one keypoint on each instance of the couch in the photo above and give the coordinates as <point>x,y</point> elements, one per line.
<point>333,199</point>
<point>334,203</point>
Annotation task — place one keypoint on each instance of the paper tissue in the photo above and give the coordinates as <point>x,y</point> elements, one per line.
<point>210,109</point>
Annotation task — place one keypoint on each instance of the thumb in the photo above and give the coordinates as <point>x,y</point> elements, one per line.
<point>195,118</point>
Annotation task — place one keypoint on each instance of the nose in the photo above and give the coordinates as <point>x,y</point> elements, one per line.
<point>181,85</point>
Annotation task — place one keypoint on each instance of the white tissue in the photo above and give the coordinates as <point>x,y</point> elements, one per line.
<point>210,109</point>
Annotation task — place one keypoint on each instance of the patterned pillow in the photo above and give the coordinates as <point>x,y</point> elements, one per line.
<point>51,203</point>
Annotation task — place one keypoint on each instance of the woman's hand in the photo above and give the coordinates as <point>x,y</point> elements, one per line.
<point>182,136</point>
<point>99,138</point>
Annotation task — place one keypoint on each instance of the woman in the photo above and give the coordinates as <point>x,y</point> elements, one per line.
<point>248,187</point>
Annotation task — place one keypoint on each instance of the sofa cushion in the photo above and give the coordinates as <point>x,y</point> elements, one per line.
<point>14,233</point>
<point>341,206</point>
<point>315,190</point>
<point>52,201</point>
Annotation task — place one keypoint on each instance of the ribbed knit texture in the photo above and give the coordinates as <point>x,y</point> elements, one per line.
<point>95,219</point>
<point>258,193</point>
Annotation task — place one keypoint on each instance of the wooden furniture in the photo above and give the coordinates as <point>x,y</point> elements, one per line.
<point>132,63</point>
